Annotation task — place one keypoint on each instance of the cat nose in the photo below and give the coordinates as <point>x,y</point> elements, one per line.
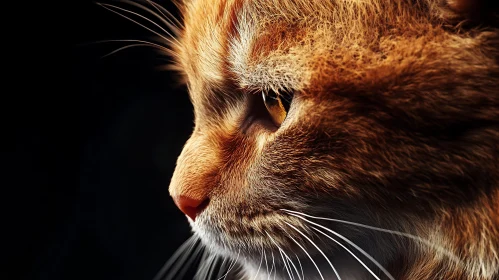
<point>190,206</point>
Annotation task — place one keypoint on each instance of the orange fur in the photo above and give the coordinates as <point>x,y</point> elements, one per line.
<point>394,123</point>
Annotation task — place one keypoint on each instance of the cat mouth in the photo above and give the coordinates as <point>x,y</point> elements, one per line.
<point>275,239</point>
<point>273,232</point>
<point>232,231</point>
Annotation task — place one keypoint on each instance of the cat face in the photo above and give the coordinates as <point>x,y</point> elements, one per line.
<point>373,112</point>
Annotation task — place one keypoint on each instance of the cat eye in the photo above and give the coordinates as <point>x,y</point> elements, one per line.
<point>277,105</point>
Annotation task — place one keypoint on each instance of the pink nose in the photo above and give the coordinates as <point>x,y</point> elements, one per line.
<point>189,206</point>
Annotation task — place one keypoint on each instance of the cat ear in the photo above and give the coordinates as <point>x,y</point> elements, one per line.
<point>478,11</point>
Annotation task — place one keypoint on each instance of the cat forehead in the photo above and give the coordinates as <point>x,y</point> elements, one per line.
<point>245,41</point>
<point>263,45</point>
<point>204,42</point>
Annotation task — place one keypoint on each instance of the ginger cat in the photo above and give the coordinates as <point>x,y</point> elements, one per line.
<point>342,139</point>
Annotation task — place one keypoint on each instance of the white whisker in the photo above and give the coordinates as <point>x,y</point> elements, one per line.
<point>308,255</point>
<point>187,265</point>
<point>213,273</point>
<point>106,6</point>
<point>180,251</point>
<point>221,267</point>
<point>168,21</point>
<point>126,40</point>
<point>351,243</point>
<point>266,263</point>
<point>317,247</point>
<point>301,268</point>
<point>351,253</point>
<point>441,249</point>
<point>178,265</point>
<point>168,24</point>
<point>286,266</point>
<point>168,15</point>
<point>140,43</point>
<point>281,251</point>
<point>275,272</point>
<point>290,263</point>
<point>205,270</point>
<point>294,267</point>
<point>231,266</point>
<point>126,47</point>
<point>143,17</point>
<point>273,266</point>
<point>261,260</point>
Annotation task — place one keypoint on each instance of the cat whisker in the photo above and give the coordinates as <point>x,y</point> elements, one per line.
<point>308,255</point>
<point>281,251</point>
<point>185,257</point>
<point>266,263</point>
<point>233,263</point>
<point>290,263</point>
<point>261,260</point>
<point>167,14</point>
<point>125,40</point>
<point>206,266</point>
<point>352,244</point>
<point>272,268</point>
<point>229,268</point>
<point>170,26</point>
<point>186,265</point>
<point>140,43</point>
<point>124,48</point>
<point>294,267</point>
<point>275,268</point>
<point>301,268</point>
<point>221,267</point>
<point>351,253</point>
<point>440,249</point>
<point>317,247</point>
<point>189,243</point>
<point>286,266</point>
<point>174,26</point>
<point>213,267</point>
<point>107,7</point>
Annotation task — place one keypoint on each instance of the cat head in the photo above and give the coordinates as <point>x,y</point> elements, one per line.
<point>376,112</point>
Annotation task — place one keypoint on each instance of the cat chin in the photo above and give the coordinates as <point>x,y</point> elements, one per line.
<point>216,242</point>
<point>248,255</point>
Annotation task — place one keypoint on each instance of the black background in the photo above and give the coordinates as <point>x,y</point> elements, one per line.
<point>118,221</point>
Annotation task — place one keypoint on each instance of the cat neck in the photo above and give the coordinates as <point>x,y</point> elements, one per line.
<point>469,233</point>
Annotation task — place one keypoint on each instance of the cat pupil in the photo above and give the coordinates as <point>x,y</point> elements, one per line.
<point>277,106</point>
